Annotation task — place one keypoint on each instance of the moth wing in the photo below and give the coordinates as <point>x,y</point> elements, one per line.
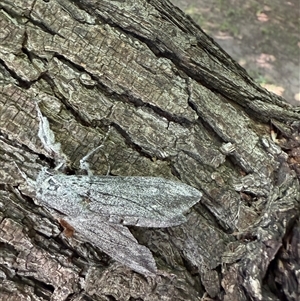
<point>142,201</point>
<point>116,241</point>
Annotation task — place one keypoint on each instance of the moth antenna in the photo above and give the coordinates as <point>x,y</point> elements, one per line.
<point>47,138</point>
<point>84,165</point>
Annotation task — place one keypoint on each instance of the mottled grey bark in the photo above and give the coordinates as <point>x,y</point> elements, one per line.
<point>180,108</point>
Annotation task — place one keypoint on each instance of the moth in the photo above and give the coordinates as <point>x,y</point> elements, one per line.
<point>100,207</point>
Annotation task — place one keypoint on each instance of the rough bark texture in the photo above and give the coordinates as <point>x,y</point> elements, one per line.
<point>180,108</point>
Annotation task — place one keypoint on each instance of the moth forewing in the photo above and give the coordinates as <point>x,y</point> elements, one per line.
<point>139,201</point>
<point>117,241</point>
<point>144,201</point>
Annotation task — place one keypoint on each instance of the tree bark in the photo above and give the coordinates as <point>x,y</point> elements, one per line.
<point>178,107</point>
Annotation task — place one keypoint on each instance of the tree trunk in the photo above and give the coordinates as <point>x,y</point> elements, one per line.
<point>178,107</point>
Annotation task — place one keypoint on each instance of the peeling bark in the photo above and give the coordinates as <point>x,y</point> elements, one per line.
<point>180,108</point>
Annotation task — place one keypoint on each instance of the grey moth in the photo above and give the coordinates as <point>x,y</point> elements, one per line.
<point>100,207</point>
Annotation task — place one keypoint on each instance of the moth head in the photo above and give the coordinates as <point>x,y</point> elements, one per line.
<point>46,180</point>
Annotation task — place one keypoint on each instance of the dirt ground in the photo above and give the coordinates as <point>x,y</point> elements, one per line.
<point>262,36</point>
